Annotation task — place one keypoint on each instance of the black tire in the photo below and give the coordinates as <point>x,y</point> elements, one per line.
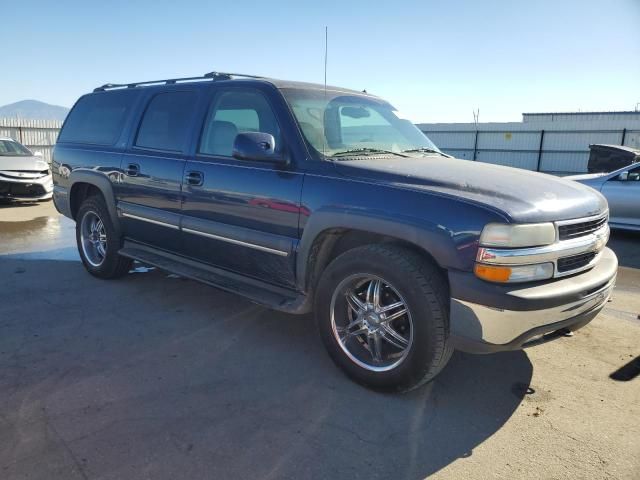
<point>112,265</point>
<point>424,291</point>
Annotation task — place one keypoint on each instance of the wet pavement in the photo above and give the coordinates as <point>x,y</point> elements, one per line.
<point>153,376</point>
<point>36,230</point>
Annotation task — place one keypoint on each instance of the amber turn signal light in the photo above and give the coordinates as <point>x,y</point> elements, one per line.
<point>493,273</point>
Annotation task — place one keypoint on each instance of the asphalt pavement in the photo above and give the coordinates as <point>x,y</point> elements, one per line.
<point>156,377</point>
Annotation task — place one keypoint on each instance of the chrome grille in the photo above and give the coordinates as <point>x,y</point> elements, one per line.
<point>574,262</point>
<point>573,230</point>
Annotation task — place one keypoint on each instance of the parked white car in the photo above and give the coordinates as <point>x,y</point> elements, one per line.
<point>23,174</point>
<point>621,188</point>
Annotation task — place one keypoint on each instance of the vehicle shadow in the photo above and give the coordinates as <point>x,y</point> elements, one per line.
<point>5,203</point>
<point>626,245</point>
<point>158,374</point>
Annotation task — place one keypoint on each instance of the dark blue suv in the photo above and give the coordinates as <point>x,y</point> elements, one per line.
<point>305,197</point>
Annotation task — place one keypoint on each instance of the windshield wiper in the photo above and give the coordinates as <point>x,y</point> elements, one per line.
<point>366,151</point>
<point>423,150</point>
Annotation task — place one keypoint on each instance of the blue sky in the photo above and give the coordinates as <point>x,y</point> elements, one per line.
<point>434,60</point>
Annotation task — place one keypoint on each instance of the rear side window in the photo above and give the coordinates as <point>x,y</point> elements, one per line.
<point>98,119</point>
<point>165,123</point>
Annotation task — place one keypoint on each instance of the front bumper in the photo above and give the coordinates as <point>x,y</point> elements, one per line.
<point>488,317</point>
<point>31,189</point>
<point>61,201</point>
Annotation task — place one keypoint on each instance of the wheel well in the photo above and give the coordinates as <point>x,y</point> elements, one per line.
<point>80,191</point>
<point>334,242</point>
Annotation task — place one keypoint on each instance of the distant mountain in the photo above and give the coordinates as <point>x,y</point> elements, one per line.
<point>33,109</point>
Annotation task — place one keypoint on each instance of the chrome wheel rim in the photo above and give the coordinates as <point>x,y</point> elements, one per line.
<point>371,322</point>
<point>93,238</point>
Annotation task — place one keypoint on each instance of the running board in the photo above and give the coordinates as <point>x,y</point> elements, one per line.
<point>271,296</point>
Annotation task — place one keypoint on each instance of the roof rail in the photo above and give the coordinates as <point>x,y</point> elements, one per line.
<point>170,81</point>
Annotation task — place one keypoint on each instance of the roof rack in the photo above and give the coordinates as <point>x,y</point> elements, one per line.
<point>171,81</point>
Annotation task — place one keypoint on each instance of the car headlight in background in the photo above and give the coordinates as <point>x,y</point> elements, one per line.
<point>523,235</point>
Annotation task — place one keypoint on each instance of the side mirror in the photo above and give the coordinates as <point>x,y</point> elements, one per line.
<point>257,146</point>
<point>623,177</point>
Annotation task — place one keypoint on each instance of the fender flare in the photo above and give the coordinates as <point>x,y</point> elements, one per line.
<point>429,237</point>
<point>102,182</point>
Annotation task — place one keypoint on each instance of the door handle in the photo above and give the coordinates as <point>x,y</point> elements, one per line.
<point>133,169</point>
<point>195,178</point>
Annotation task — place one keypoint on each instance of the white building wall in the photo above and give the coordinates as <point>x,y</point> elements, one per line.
<point>37,135</point>
<point>565,142</point>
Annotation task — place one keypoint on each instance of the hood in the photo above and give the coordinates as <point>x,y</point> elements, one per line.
<point>23,163</point>
<point>522,195</point>
<point>586,176</point>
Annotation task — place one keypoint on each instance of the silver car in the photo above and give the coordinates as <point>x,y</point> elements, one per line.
<point>622,190</point>
<point>23,174</point>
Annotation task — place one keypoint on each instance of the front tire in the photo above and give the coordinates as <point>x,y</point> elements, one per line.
<point>382,312</point>
<point>98,241</point>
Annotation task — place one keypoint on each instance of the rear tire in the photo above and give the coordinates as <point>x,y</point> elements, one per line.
<point>383,316</point>
<point>98,241</point>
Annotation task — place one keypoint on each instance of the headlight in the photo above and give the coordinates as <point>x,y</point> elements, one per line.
<point>514,273</point>
<point>524,235</point>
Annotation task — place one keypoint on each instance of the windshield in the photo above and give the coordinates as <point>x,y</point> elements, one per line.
<point>9,148</point>
<point>339,124</point>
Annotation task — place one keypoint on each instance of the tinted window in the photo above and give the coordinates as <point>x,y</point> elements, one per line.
<point>234,112</point>
<point>98,118</point>
<point>634,175</point>
<point>165,123</point>
<point>9,148</point>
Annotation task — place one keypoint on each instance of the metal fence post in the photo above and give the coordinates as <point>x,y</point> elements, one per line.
<point>540,150</point>
<point>20,133</point>
<point>475,147</point>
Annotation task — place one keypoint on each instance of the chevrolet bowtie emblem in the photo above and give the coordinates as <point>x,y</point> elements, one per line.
<point>601,241</point>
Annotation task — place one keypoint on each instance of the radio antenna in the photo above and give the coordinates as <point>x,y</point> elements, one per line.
<point>326,48</point>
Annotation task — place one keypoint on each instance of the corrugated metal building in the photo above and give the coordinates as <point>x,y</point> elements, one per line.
<point>548,142</point>
<point>37,135</point>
